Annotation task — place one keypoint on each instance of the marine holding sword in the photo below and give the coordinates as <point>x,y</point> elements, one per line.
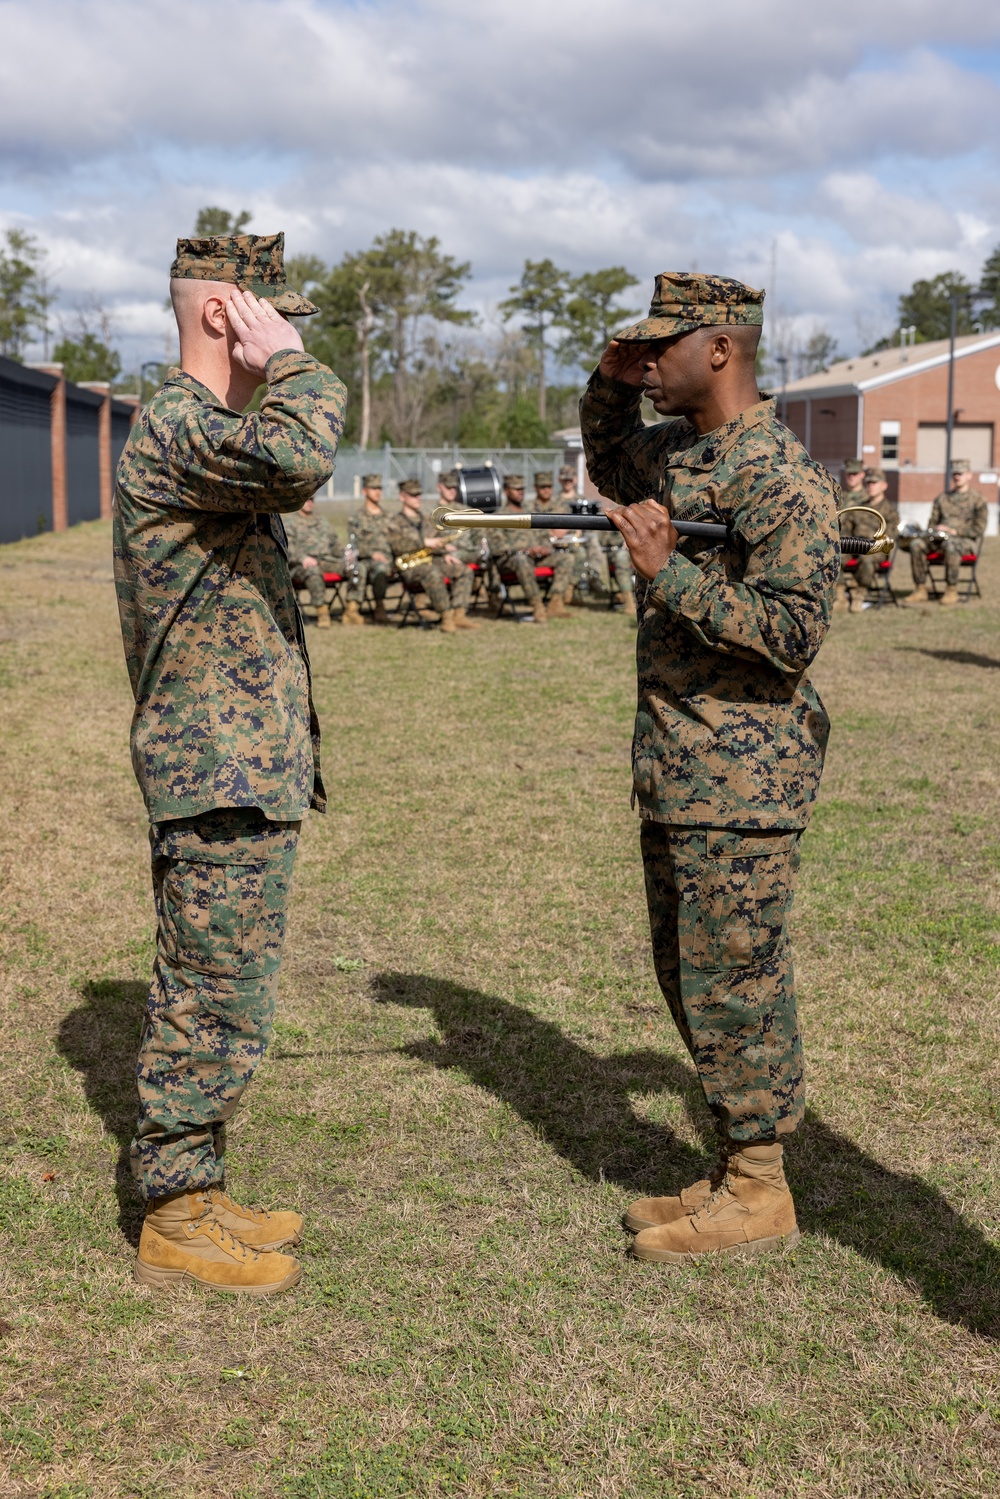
<point>729,733</point>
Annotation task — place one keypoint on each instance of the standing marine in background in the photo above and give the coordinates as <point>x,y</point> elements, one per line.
<point>875,496</point>
<point>446,580</point>
<point>369,539</point>
<point>312,551</point>
<point>959,514</point>
<point>225,740</point>
<point>851,493</point>
<point>519,553</point>
<point>729,732</point>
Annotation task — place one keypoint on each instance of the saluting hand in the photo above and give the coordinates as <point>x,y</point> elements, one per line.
<point>260,331</point>
<point>624,361</point>
<point>649,534</point>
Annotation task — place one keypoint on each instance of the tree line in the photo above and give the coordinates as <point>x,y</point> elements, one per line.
<point>421,369</point>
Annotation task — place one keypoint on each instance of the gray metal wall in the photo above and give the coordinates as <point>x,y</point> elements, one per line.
<point>83,454</point>
<point>121,426</point>
<point>25,451</point>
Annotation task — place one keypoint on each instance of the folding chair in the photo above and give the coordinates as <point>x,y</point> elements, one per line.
<point>507,580</point>
<point>881,591</point>
<point>968,583</point>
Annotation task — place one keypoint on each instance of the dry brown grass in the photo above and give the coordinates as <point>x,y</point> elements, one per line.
<point>464,1115</point>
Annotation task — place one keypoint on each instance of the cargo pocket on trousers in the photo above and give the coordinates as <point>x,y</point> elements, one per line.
<point>212,917</point>
<point>743,887</point>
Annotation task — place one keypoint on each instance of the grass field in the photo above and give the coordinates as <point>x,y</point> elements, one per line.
<point>474,1074</point>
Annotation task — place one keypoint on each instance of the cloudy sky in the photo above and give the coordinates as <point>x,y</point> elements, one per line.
<point>854,146</point>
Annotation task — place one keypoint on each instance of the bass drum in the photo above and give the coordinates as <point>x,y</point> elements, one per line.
<point>479,488</point>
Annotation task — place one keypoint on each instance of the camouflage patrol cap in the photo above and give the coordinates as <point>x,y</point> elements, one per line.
<point>874,476</point>
<point>683,301</point>
<point>371,481</point>
<point>961,466</point>
<point>449,478</point>
<point>567,471</point>
<point>412,487</point>
<point>513,481</point>
<point>853,466</point>
<point>544,478</point>
<point>253,262</point>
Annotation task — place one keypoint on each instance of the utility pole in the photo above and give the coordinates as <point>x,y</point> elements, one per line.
<point>951,391</point>
<point>782,359</point>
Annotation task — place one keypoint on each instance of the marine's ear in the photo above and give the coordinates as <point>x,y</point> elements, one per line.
<point>213,315</point>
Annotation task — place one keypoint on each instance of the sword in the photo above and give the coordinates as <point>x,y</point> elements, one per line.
<point>455,520</point>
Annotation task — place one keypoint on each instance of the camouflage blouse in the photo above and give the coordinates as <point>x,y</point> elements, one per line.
<point>212,633</point>
<point>729,730</point>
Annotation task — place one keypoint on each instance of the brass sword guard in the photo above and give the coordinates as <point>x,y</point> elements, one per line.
<point>879,544</point>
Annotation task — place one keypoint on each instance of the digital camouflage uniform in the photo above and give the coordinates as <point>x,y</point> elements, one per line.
<point>509,550</point>
<point>729,733</point>
<point>369,533</point>
<point>966,513</point>
<point>434,577</point>
<point>860,524</point>
<point>225,741</point>
<point>312,536</point>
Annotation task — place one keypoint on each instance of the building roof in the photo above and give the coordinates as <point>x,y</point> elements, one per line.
<point>868,372</point>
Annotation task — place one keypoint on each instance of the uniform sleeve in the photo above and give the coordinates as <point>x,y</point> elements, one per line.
<point>980,519</point>
<point>624,457</point>
<point>273,459</point>
<point>935,519</point>
<point>780,611</point>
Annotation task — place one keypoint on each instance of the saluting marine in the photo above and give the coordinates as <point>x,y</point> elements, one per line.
<point>729,731</point>
<point>225,740</point>
<point>959,516</point>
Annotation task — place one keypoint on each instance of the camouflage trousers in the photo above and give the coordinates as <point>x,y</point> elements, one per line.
<point>369,571</point>
<point>718,903</point>
<point>866,571</point>
<point>447,585</point>
<point>311,579</point>
<point>221,883</point>
<point>519,563</point>
<point>954,548</point>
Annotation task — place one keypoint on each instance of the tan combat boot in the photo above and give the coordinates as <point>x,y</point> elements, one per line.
<point>840,600</point>
<point>918,596</point>
<point>352,614</point>
<point>950,596</point>
<point>183,1240</point>
<point>463,622</point>
<point>448,625</point>
<point>653,1212</point>
<point>555,608</point>
<point>381,617</point>
<point>750,1212</point>
<point>323,617</point>
<point>254,1227</point>
<point>539,613</point>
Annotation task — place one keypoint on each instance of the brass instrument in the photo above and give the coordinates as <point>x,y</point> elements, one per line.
<point>415,559</point>
<point>907,534</point>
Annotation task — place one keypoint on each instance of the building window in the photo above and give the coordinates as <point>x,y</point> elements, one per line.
<point>889,434</point>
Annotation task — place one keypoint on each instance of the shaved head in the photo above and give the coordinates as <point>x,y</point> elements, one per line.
<point>188,298</point>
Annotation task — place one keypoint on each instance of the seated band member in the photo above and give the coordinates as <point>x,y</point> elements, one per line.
<point>368,531</point>
<point>468,546</point>
<point>444,578</point>
<point>959,516</point>
<point>852,492</point>
<point>521,552</point>
<point>312,551</point>
<point>874,496</point>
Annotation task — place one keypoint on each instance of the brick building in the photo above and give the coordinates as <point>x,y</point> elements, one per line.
<point>890,409</point>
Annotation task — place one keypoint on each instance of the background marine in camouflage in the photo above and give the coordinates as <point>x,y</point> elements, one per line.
<point>959,514</point>
<point>371,551</point>
<point>312,551</point>
<point>225,741</point>
<point>729,732</point>
<point>518,552</point>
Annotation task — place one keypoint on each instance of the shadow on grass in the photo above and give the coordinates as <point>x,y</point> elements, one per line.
<point>580,1104</point>
<point>959,658</point>
<point>101,1039</point>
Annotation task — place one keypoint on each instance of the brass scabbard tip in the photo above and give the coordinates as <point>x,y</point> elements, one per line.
<point>446,518</point>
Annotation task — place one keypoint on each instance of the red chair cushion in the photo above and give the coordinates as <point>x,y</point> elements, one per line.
<point>544,572</point>
<point>333,578</point>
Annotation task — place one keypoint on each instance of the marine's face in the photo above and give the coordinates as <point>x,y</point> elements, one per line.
<point>448,493</point>
<point>876,488</point>
<point>411,503</point>
<point>676,371</point>
<point>853,481</point>
<point>961,481</point>
<point>516,496</point>
<point>308,507</point>
<point>373,496</point>
<point>544,491</point>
